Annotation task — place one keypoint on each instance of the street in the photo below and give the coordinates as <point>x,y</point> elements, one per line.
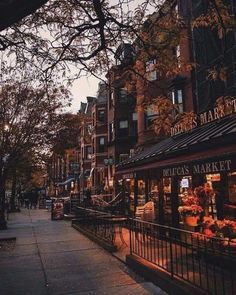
<point>50,257</point>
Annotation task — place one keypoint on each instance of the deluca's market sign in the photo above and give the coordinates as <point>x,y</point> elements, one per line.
<point>201,168</point>
<point>204,118</point>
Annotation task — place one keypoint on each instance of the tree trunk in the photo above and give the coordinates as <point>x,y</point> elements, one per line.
<point>3,223</point>
<point>13,194</point>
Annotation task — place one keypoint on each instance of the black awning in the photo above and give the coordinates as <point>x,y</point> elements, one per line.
<point>208,136</point>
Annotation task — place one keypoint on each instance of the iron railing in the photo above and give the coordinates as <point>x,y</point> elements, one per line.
<point>207,263</point>
<point>102,225</point>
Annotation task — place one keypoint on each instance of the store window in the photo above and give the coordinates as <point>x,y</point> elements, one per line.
<point>129,189</point>
<point>141,193</point>
<point>153,190</point>
<point>232,188</point>
<point>167,200</point>
<point>177,99</point>
<point>151,71</point>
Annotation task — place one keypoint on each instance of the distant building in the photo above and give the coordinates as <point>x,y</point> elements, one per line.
<point>122,116</point>
<point>99,169</point>
<point>85,144</point>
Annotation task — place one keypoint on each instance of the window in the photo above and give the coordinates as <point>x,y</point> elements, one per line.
<point>150,117</point>
<point>101,141</point>
<point>177,99</point>
<point>134,117</point>
<point>90,129</point>
<point>111,131</point>
<point>123,95</point>
<point>123,128</point>
<point>101,144</point>
<point>88,152</point>
<point>178,55</point>
<point>151,72</point>
<point>112,99</point>
<point>123,124</point>
<point>101,115</point>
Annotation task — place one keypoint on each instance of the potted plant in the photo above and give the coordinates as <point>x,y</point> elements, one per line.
<point>190,214</point>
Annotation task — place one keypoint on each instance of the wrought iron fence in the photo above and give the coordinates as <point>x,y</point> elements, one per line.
<point>205,262</point>
<point>104,226</point>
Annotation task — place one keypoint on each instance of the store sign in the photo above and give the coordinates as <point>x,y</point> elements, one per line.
<point>179,170</point>
<point>201,168</point>
<point>211,167</point>
<point>204,118</point>
<point>57,209</point>
<point>129,176</point>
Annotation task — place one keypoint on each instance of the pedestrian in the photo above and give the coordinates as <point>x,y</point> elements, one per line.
<point>27,199</point>
<point>7,208</point>
<point>21,200</point>
<point>34,198</point>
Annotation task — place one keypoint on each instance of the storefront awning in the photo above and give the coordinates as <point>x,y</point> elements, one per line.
<point>205,141</point>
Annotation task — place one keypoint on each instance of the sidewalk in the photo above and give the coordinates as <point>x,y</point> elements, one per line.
<point>52,258</point>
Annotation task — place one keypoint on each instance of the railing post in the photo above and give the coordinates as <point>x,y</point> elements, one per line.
<point>171,256</point>
<point>130,223</point>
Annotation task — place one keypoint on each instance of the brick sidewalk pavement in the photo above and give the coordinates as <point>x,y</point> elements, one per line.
<point>52,258</point>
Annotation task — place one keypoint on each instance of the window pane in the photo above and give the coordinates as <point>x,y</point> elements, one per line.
<point>101,140</point>
<point>101,115</point>
<point>123,94</point>
<point>123,124</point>
<point>173,97</point>
<point>134,116</point>
<point>179,96</point>
<point>181,108</point>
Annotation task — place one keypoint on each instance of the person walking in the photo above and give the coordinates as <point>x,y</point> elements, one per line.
<point>26,199</point>
<point>34,198</point>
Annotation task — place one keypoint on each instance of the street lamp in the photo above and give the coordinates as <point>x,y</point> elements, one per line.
<point>6,127</point>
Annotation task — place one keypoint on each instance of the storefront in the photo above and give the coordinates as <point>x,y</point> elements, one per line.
<point>196,168</point>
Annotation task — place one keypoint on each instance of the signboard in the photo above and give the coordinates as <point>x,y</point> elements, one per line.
<point>208,166</point>
<point>217,113</point>
<point>184,183</point>
<point>129,176</point>
<point>57,209</point>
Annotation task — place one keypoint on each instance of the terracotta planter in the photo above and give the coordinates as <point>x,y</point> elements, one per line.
<point>191,220</point>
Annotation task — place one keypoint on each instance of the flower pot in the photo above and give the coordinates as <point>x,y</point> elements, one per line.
<point>191,220</point>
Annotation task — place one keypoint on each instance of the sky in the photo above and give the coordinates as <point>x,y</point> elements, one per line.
<point>88,86</point>
<point>82,87</point>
